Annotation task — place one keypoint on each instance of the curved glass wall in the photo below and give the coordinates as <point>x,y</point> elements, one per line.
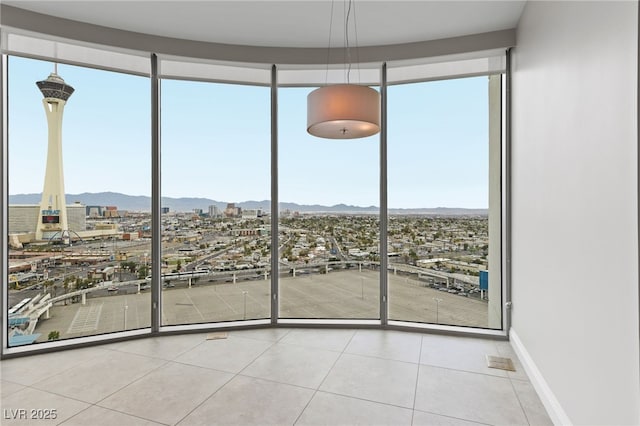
<point>79,201</point>
<point>216,202</point>
<point>216,173</point>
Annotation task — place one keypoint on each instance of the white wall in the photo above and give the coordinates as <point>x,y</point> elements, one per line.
<point>574,210</point>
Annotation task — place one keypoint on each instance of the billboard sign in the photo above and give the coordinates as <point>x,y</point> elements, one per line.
<point>50,216</point>
<point>484,280</point>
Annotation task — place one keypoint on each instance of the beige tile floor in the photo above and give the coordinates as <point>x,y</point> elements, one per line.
<point>272,376</point>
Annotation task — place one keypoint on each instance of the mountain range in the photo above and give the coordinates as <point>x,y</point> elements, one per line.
<point>186,204</point>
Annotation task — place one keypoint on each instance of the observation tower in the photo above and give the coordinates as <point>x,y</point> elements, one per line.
<point>52,217</point>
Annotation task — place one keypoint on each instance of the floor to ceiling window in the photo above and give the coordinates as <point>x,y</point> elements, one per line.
<point>79,200</point>
<point>216,202</point>
<point>328,219</point>
<point>80,226</point>
<point>440,180</point>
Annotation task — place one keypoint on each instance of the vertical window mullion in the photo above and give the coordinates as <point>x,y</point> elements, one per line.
<point>506,191</point>
<point>156,194</point>
<point>384,258</point>
<point>4,195</point>
<point>274,198</point>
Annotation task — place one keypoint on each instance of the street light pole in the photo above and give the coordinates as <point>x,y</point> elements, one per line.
<point>125,316</point>
<point>244,293</point>
<point>437,300</point>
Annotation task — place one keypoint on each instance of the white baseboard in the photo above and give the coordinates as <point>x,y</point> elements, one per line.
<point>551,403</point>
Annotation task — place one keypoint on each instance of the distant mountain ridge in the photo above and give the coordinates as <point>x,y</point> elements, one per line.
<point>186,204</point>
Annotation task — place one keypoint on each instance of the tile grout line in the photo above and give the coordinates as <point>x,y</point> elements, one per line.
<point>387,404</point>
<point>46,391</point>
<point>79,412</point>
<point>256,357</point>
<point>456,418</point>
<point>166,362</point>
<point>122,351</point>
<point>33,385</point>
<point>519,402</point>
<point>384,358</point>
<point>134,381</point>
<point>205,400</point>
<point>274,381</point>
<point>466,371</point>
<point>415,391</point>
<point>234,375</point>
<point>325,377</point>
<point>272,343</point>
<point>89,405</point>
<point>12,382</point>
<point>115,411</point>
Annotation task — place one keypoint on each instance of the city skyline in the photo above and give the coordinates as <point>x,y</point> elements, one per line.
<point>106,147</point>
<point>93,199</point>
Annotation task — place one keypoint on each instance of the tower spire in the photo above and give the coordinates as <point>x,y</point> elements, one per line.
<point>52,217</point>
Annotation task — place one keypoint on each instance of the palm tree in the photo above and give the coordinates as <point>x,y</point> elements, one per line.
<point>47,285</point>
<point>65,285</point>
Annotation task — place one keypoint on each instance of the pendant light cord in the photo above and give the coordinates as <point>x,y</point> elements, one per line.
<point>326,77</point>
<point>347,50</point>
<point>346,35</point>
<point>355,27</point>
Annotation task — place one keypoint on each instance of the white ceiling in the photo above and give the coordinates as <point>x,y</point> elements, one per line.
<point>301,23</point>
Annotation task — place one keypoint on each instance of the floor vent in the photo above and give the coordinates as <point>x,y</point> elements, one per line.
<point>500,363</point>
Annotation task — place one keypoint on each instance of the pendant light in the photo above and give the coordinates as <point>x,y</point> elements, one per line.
<point>343,111</point>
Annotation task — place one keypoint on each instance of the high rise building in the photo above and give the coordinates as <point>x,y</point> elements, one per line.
<point>214,211</point>
<point>52,218</point>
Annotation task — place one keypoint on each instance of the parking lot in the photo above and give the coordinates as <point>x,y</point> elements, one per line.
<point>336,295</point>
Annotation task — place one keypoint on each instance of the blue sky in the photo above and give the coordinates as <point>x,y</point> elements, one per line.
<point>216,141</point>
